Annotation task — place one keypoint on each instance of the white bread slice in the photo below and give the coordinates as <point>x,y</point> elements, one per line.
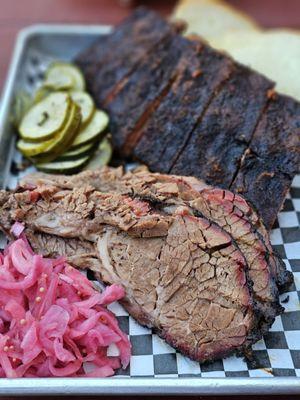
<point>212,18</point>
<point>274,53</point>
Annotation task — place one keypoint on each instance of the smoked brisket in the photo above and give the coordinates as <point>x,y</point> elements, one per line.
<point>226,209</point>
<point>272,159</point>
<point>142,92</point>
<point>189,96</point>
<point>189,281</point>
<point>180,107</point>
<point>195,260</point>
<point>218,142</point>
<point>112,57</point>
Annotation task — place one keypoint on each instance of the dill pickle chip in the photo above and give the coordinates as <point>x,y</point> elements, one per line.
<point>47,117</point>
<point>86,104</point>
<point>94,129</point>
<point>64,76</point>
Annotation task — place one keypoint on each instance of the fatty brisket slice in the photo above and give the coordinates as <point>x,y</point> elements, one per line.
<point>217,143</point>
<point>202,75</point>
<point>112,57</point>
<point>169,193</point>
<point>188,282</point>
<point>272,159</point>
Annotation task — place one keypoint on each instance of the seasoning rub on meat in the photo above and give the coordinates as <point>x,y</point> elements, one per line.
<point>181,107</point>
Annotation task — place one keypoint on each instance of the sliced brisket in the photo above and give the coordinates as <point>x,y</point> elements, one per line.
<point>171,114</point>
<point>143,91</point>
<point>272,159</point>
<point>217,144</point>
<point>170,193</point>
<point>148,185</point>
<point>190,282</point>
<point>202,74</point>
<point>187,292</point>
<point>110,60</point>
<point>81,213</point>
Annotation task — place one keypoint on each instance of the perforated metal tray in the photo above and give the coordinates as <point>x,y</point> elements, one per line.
<point>35,47</point>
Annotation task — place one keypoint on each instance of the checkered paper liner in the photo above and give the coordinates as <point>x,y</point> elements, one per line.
<point>277,354</point>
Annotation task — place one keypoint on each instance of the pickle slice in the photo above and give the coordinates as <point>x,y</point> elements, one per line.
<point>22,103</point>
<point>41,93</point>
<point>94,129</point>
<point>63,167</point>
<point>56,81</point>
<point>51,149</point>
<point>79,152</point>
<point>46,118</point>
<point>64,76</point>
<point>86,104</point>
<point>29,149</point>
<point>102,155</point>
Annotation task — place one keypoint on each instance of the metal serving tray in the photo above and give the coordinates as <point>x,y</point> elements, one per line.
<point>155,367</point>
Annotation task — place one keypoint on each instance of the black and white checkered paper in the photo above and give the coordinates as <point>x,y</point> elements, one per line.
<point>277,354</point>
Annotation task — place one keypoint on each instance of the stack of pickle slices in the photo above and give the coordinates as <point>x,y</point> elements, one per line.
<point>60,129</point>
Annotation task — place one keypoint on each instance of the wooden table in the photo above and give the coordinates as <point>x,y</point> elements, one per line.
<point>16,14</point>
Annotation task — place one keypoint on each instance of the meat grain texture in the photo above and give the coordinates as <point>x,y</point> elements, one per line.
<point>195,261</point>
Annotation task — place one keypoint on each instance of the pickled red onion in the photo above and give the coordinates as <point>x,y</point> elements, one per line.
<point>52,319</point>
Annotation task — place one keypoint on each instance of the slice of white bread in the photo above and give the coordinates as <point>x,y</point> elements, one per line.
<point>212,18</point>
<point>274,53</point>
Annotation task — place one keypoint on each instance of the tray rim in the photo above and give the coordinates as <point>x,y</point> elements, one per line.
<point>124,385</point>
<point>152,386</point>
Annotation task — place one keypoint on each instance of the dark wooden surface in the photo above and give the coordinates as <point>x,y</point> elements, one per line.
<point>16,14</point>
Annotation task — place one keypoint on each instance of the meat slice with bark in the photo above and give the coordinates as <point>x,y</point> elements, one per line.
<point>238,218</point>
<point>113,57</point>
<point>141,93</point>
<point>186,294</point>
<point>189,283</point>
<point>158,188</point>
<point>167,114</point>
<point>162,137</point>
<point>272,159</point>
<point>216,145</point>
<point>170,193</point>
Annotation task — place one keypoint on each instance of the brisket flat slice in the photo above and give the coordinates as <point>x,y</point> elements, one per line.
<point>170,193</point>
<point>217,144</point>
<point>262,185</point>
<point>272,159</point>
<point>158,187</point>
<point>113,57</point>
<point>143,90</point>
<point>190,283</point>
<point>162,137</point>
<point>234,215</point>
<point>283,277</point>
<point>187,293</point>
<point>81,213</point>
